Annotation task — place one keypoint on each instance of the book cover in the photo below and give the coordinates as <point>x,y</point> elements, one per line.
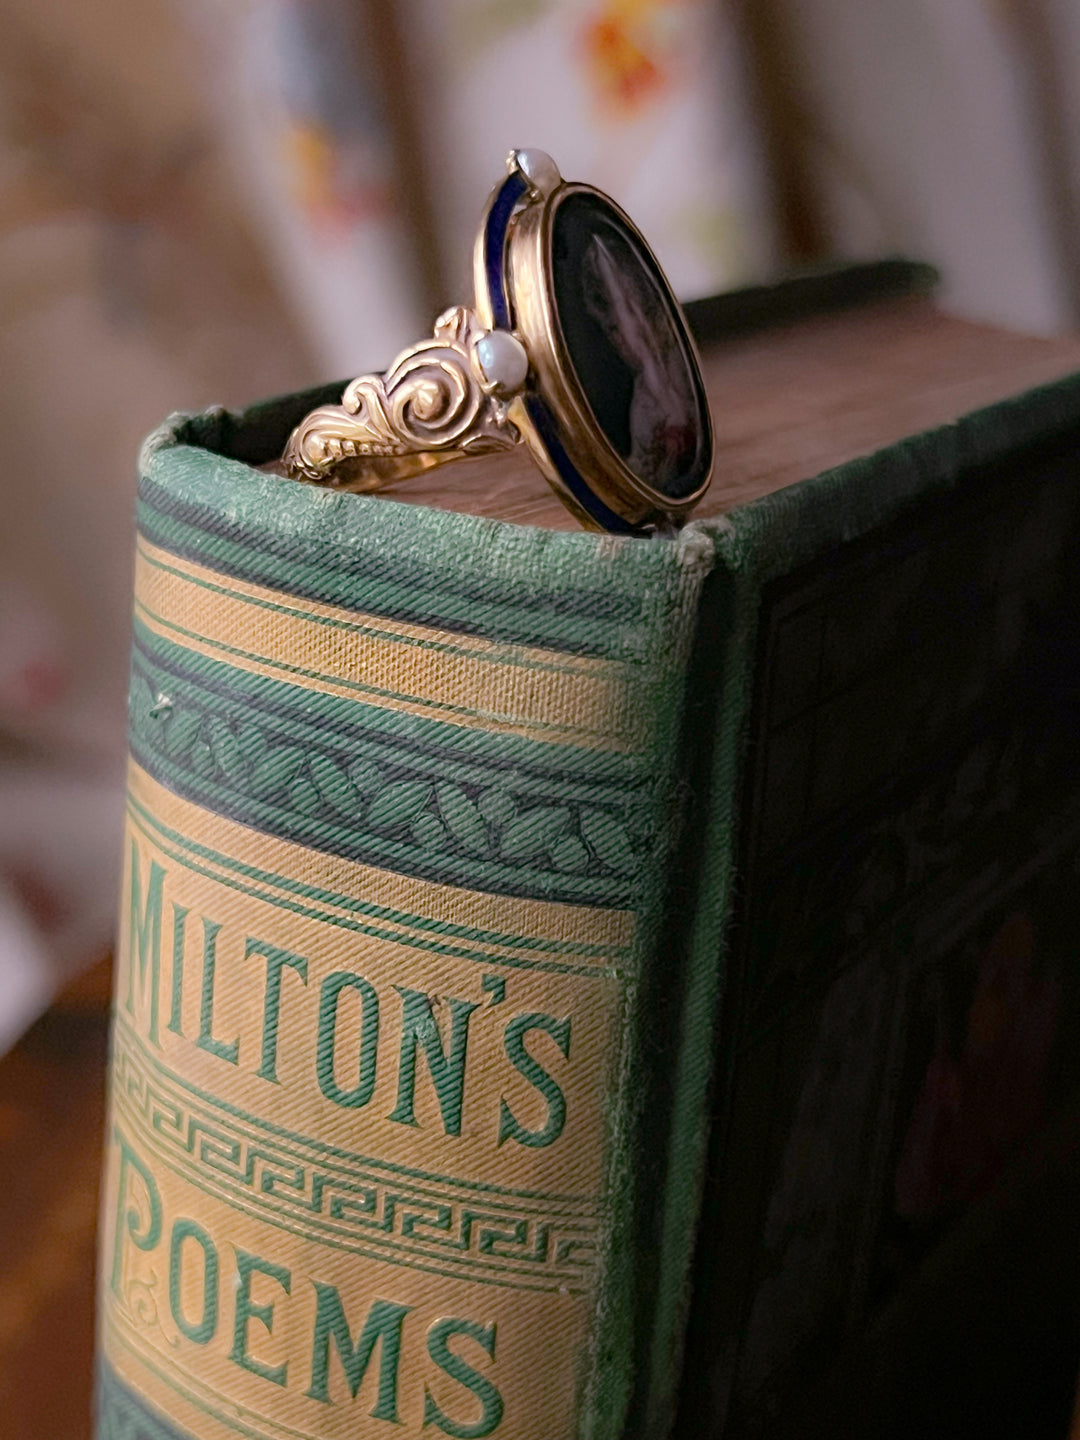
<point>901,969</point>
<point>549,962</point>
<point>401,799</point>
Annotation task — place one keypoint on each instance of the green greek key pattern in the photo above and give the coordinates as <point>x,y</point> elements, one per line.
<point>505,1242</point>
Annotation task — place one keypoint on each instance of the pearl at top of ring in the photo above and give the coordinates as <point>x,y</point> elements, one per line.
<point>538,168</point>
<point>502,360</point>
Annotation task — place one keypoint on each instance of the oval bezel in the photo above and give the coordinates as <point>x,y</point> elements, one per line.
<point>530,281</point>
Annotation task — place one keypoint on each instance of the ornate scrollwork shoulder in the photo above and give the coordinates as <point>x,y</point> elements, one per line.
<point>430,406</point>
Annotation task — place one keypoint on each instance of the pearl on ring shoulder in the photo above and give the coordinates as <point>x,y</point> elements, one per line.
<point>502,360</point>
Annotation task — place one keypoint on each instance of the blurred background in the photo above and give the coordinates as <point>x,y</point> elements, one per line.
<point>207,201</point>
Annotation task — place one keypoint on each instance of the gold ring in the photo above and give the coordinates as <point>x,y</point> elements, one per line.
<point>575,346</point>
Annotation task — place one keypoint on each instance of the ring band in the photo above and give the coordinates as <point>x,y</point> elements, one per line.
<point>575,347</point>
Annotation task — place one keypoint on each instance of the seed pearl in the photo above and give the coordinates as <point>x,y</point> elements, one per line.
<point>539,169</point>
<point>502,360</point>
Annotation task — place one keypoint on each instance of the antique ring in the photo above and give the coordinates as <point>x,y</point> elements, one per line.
<point>575,346</point>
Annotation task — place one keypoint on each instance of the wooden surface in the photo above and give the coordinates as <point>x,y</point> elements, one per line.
<point>52,1103</point>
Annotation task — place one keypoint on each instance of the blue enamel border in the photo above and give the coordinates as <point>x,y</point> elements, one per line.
<point>498,222</point>
<point>544,423</point>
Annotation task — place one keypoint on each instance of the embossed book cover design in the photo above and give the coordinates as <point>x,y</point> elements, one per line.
<point>396,824</point>
<point>905,953</point>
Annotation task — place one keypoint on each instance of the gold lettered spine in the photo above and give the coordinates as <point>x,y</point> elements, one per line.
<point>355,1147</point>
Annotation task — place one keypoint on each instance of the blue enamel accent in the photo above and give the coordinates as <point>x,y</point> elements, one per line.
<point>544,424</point>
<point>498,222</point>
<point>510,192</point>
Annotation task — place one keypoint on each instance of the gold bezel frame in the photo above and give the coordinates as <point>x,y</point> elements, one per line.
<point>528,278</point>
<point>502,374</point>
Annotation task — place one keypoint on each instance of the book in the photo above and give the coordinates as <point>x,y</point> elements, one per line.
<point>570,986</point>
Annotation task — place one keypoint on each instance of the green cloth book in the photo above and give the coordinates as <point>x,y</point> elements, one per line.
<point>549,962</point>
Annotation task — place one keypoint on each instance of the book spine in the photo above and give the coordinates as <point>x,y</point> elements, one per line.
<point>399,792</point>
